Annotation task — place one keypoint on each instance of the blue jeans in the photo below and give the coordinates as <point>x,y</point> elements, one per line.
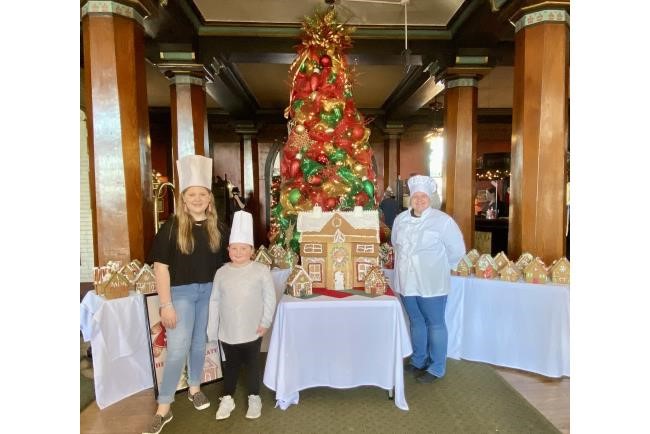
<point>189,337</point>
<point>428,332</point>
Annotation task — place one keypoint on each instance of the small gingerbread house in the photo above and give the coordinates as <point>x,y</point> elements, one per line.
<point>263,256</point>
<point>464,267</point>
<point>536,272</point>
<point>278,255</point>
<point>299,283</point>
<point>289,259</point>
<point>375,282</point>
<point>510,272</point>
<point>559,271</point>
<point>117,286</point>
<point>145,282</point>
<point>485,267</point>
<point>525,259</point>
<point>501,260</point>
<point>473,255</point>
<point>338,248</point>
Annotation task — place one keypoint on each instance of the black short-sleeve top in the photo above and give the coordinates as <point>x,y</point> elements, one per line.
<point>197,267</point>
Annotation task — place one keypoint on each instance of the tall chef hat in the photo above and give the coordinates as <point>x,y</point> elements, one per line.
<point>425,184</point>
<point>242,228</point>
<point>194,171</point>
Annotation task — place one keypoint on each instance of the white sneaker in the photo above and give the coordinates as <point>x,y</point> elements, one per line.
<point>254,407</point>
<point>226,407</point>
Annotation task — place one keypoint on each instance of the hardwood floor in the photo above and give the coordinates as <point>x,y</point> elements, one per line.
<point>131,415</point>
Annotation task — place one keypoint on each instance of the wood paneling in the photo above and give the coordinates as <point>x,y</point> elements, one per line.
<point>539,133</point>
<point>460,158</point>
<point>118,132</point>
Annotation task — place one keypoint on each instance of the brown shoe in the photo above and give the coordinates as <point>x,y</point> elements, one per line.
<point>199,400</point>
<point>158,423</point>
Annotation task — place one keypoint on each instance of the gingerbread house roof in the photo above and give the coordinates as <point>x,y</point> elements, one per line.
<point>501,258</point>
<point>559,263</point>
<point>484,261</point>
<point>473,255</point>
<point>296,272</point>
<point>145,272</point>
<point>509,268</point>
<point>465,260</point>
<point>536,265</point>
<point>315,220</point>
<point>525,259</point>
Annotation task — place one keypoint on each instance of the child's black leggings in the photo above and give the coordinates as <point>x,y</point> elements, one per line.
<point>237,355</point>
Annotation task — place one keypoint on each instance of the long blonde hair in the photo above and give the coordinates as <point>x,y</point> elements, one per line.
<point>184,238</point>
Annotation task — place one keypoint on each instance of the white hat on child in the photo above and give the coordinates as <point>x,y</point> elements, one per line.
<point>242,228</point>
<point>425,184</point>
<point>194,171</point>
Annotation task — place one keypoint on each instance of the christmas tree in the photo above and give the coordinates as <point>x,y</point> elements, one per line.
<point>326,159</point>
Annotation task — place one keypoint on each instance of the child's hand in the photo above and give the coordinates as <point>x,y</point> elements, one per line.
<point>261,331</point>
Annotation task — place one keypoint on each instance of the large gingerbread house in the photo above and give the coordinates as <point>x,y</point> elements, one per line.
<point>338,248</point>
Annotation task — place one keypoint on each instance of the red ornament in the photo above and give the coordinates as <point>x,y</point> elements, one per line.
<point>361,198</point>
<point>322,159</point>
<point>325,60</point>
<point>315,180</point>
<point>330,203</point>
<point>358,132</point>
<point>294,169</point>
<point>313,82</point>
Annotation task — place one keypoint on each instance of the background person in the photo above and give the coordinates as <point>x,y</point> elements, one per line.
<point>427,244</point>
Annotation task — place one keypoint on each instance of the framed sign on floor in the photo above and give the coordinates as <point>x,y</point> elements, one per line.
<point>158,349</point>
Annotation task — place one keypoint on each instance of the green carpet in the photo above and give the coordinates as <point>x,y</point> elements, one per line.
<point>472,398</point>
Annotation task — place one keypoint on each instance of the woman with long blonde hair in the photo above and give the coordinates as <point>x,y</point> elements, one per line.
<point>187,251</point>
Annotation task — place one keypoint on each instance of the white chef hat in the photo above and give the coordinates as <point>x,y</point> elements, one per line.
<point>194,171</point>
<point>425,184</point>
<point>242,228</point>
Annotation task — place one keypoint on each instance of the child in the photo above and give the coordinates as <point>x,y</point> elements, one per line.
<point>187,251</point>
<point>241,310</point>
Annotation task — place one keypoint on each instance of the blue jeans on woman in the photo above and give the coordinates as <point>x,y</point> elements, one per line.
<point>189,337</point>
<point>428,332</point>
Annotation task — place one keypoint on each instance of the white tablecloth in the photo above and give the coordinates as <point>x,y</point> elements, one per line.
<point>513,324</point>
<point>118,336</point>
<point>341,343</point>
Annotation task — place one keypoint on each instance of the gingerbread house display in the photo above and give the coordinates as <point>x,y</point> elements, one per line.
<point>559,271</point>
<point>338,248</point>
<point>145,282</point>
<point>386,256</point>
<point>485,267</point>
<point>464,267</point>
<point>278,255</point>
<point>117,286</point>
<point>525,259</point>
<point>473,256</point>
<point>536,272</point>
<point>263,256</point>
<point>501,260</point>
<point>299,283</point>
<point>510,272</point>
<point>375,282</point>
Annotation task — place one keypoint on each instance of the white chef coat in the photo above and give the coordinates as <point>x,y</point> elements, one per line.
<point>426,249</point>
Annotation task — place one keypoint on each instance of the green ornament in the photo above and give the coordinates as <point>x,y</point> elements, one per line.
<point>294,196</point>
<point>309,167</point>
<point>338,155</point>
<point>347,93</point>
<point>347,202</point>
<point>297,104</point>
<point>329,118</point>
<point>303,67</point>
<point>331,79</point>
<point>337,114</point>
<point>346,174</point>
<point>355,188</point>
<point>369,188</point>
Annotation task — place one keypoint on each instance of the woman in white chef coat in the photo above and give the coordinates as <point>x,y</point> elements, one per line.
<point>427,244</point>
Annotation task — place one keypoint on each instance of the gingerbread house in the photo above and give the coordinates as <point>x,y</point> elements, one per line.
<point>559,271</point>
<point>278,255</point>
<point>536,272</point>
<point>263,256</point>
<point>464,267</point>
<point>510,272</point>
<point>299,283</point>
<point>501,260</point>
<point>525,259</point>
<point>338,248</point>
<point>117,286</point>
<point>485,267</point>
<point>473,255</point>
<point>375,282</point>
<point>145,282</point>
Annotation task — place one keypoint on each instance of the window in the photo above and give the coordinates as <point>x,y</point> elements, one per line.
<point>365,248</point>
<point>315,272</point>
<point>313,248</point>
<point>362,270</point>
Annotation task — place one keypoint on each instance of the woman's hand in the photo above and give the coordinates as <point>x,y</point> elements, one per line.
<point>168,317</point>
<point>261,331</point>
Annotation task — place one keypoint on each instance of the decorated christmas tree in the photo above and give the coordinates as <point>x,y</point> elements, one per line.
<point>326,159</point>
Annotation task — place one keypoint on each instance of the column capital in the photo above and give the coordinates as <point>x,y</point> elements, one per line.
<point>183,73</point>
<point>537,12</point>
<point>463,76</point>
<point>393,129</point>
<point>246,128</point>
<point>137,10</point>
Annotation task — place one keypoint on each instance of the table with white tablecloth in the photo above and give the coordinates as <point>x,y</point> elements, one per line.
<point>340,343</point>
<point>512,324</point>
<point>118,335</point>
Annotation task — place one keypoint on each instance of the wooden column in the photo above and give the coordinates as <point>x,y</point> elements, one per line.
<point>392,136</point>
<point>188,111</point>
<point>459,164</point>
<point>539,133</point>
<point>118,129</point>
<point>251,188</point>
